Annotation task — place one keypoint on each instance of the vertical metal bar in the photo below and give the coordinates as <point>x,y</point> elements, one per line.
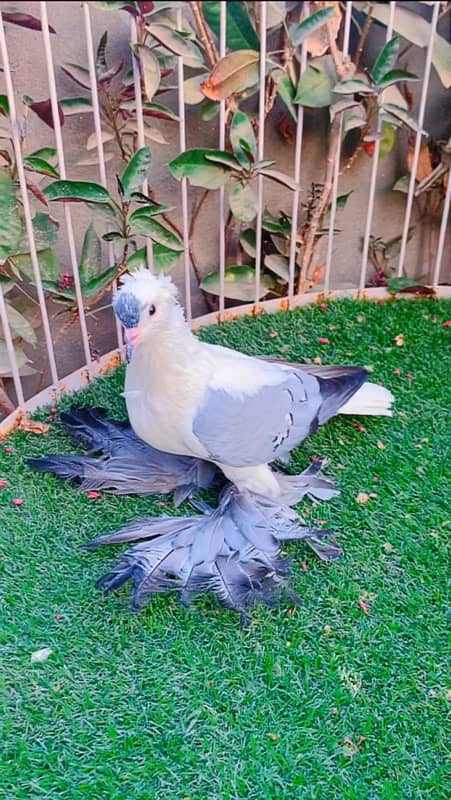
<point>373,178</point>
<point>333,209</point>
<point>140,121</point>
<point>184,182</point>
<point>418,138</point>
<point>10,350</point>
<point>297,178</point>
<point>222,130</point>
<point>442,233</point>
<point>26,205</point>
<point>98,131</point>
<point>62,169</point>
<point>260,149</point>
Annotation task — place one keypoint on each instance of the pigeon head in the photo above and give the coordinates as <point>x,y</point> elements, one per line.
<point>144,304</point>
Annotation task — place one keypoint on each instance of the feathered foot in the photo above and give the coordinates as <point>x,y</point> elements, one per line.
<point>125,463</point>
<point>310,482</point>
<point>233,551</point>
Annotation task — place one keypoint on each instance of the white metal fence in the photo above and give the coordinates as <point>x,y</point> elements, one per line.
<point>59,382</point>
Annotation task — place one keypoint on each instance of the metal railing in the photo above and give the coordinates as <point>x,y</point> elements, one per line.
<point>75,379</point>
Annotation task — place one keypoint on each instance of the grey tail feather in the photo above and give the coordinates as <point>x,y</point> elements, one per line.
<point>233,552</point>
<point>336,391</point>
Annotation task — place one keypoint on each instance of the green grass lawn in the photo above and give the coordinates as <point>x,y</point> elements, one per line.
<point>321,701</point>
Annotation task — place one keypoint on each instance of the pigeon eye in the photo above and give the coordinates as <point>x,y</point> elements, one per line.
<point>152,310</point>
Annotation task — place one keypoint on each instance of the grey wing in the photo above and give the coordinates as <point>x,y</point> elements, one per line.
<point>256,429</point>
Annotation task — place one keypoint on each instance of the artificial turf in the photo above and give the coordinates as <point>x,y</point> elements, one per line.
<point>344,697</point>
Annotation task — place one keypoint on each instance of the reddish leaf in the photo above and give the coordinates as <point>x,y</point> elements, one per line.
<point>358,425</point>
<point>409,376</point>
<point>3,482</point>
<point>92,495</point>
<point>8,449</point>
<point>322,340</point>
<point>17,501</point>
<point>396,372</point>
<point>323,306</point>
<point>447,324</point>
<point>304,566</point>
<point>43,109</point>
<point>286,129</point>
<point>145,6</point>
<point>24,20</point>
<point>34,189</point>
<point>363,606</point>
<point>58,617</point>
<point>427,291</point>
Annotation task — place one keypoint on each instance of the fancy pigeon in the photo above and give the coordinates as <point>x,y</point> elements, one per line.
<point>198,412</point>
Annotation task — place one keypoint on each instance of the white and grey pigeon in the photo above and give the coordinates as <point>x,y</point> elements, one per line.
<point>210,404</point>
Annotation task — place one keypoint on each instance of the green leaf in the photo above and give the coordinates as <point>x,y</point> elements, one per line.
<point>239,283</point>
<point>150,70</point>
<point>233,73</point>
<point>78,74</point>
<point>241,131</point>
<point>403,282</point>
<point>136,171</point>
<point>279,265</point>
<point>177,44</point>
<point>248,241</point>
<point>208,110</point>
<point>387,139</point>
<point>240,34</point>
<point>396,76</point>
<point>314,87</point>
<point>40,165</point>
<point>286,91</point>
<point>20,325</point>
<point>10,217</point>
<point>47,153</point>
<point>342,199</point>
<point>91,256</point>
<point>48,265</point>
<point>299,33</point>
<point>191,89</point>
<point>385,60</point>
<point>75,105</point>
<point>76,191</point>
<point>280,224</point>
<point>45,230</point>
<point>103,211</point>
<point>223,157</point>
<point>418,31</point>
<point>148,226</point>
<point>112,236</point>
<point>242,200</point>
<point>352,86</point>
<point>279,177</point>
<point>98,282</point>
<point>164,258</point>
<point>402,114</point>
<point>193,165</point>
<point>4,105</point>
<point>150,209</point>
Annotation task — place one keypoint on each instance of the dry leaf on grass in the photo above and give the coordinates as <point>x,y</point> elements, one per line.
<point>399,340</point>
<point>362,498</point>
<point>32,426</point>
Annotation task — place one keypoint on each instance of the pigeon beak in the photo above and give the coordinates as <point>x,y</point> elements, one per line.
<point>131,335</point>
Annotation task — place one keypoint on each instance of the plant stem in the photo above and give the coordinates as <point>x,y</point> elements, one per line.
<point>204,35</point>
<point>362,37</point>
<point>320,206</point>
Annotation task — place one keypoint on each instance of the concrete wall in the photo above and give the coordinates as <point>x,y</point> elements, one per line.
<point>28,63</point>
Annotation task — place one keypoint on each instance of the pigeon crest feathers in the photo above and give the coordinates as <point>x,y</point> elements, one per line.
<point>146,286</point>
